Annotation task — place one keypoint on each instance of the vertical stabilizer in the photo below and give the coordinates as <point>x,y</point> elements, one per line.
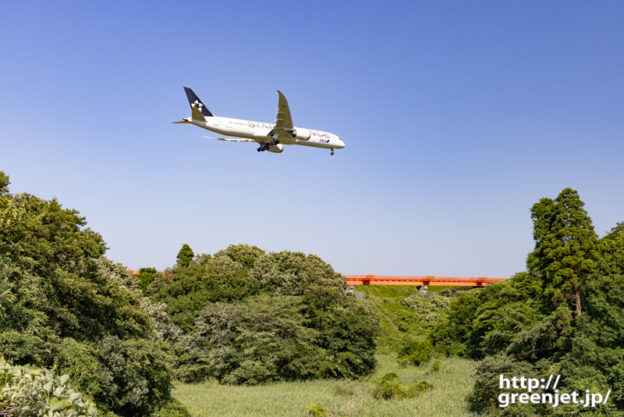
<point>198,110</point>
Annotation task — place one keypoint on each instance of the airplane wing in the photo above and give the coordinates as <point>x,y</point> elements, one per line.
<point>231,139</point>
<point>283,124</point>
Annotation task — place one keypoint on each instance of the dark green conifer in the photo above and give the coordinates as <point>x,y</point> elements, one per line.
<point>185,256</point>
<point>565,249</point>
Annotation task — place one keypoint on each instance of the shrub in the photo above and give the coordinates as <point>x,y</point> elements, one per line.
<point>317,410</point>
<point>486,389</point>
<point>80,362</point>
<point>390,388</point>
<point>426,310</point>
<point>139,376</point>
<point>21,349</point>
<point>173,408</point>
<point>34,393</point>
<point>435,367</point>
<point>415,351</point>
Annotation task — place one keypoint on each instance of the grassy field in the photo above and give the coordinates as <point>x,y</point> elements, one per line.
<point>341,398</point>
<point>451,384</point>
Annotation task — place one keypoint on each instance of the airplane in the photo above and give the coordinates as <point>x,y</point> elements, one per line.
<point>271,137</point>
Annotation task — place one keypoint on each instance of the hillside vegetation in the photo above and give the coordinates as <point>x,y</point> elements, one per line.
<point>246,332</point>
<point>565,315</point>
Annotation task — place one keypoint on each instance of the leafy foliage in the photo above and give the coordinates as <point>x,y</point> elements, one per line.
<point>390,388</point>
<point>34,393</point>
<point>317,410</point>
<point>146,277</point>
<point>562,316</point>
<point>172,408</point>
<point>63,305</point>
<point>415,351</point>
<point>205,280</point>
<point>251,317</point>
<point>404,315</point>
<point>243,254</point>
<point>185,256</point>
<point>565,249</point>
<point>486,388</point>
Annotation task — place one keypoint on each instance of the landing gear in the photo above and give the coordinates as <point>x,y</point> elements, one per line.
<point>332,151</point>
<point>267,146</point>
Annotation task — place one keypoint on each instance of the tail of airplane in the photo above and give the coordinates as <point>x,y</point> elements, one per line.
<point>198,110</point>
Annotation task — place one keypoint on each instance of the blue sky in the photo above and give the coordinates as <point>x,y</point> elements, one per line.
<point>457,117</point>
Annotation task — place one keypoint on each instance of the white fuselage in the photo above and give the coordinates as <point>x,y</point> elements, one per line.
<point>259,131</point>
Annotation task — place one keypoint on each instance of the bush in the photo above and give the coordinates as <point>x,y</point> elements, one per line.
<point>34,393</point>
<point>173,408</point>
<point>415,351</point>
<point>139,376</point>
<point>486,388</point>
<point>260,340</point>
<point>80,362</point>
<point>317,410</point>
<point>435,367</point>
<point>390,388</point>
<point>21,349</point>
<point>128,377</point>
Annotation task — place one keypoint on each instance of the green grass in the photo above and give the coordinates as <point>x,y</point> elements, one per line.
<point>395,318</point>
<point>451,384</point>
<point>342,398</point>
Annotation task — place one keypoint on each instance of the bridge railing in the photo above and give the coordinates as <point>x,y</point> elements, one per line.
<point>420,280</point>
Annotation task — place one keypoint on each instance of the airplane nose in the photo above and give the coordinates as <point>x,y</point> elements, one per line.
<point>341,144</point>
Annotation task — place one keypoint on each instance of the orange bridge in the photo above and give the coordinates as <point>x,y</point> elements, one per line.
<point>420,281</point>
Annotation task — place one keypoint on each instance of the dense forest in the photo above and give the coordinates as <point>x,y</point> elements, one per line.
<point>82,336</point>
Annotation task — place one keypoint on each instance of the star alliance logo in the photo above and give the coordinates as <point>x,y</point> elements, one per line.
<point>198,105</point>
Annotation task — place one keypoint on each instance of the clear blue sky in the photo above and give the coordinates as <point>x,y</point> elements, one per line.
<point>457,116</point>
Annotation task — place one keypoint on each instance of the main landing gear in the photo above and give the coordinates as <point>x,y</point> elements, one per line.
<point>266,146</point>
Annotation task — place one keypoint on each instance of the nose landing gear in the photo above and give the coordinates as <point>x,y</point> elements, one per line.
<point>332,151</point>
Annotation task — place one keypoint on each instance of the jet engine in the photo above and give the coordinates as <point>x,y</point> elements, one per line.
<point>279,148</point>
<point>303,134</point>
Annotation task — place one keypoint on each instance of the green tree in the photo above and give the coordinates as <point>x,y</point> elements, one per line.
<point>64,305</point>
<point>205,280</point>
<point>146,276</point>
<point>252,317</point>
<point>565,249</point>
<point>243,254</point>
<point>4,183</point>
<point>185,256</point>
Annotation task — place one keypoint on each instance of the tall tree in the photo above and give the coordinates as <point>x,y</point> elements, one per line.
<point>185,256</point>
<point>565,249</point>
